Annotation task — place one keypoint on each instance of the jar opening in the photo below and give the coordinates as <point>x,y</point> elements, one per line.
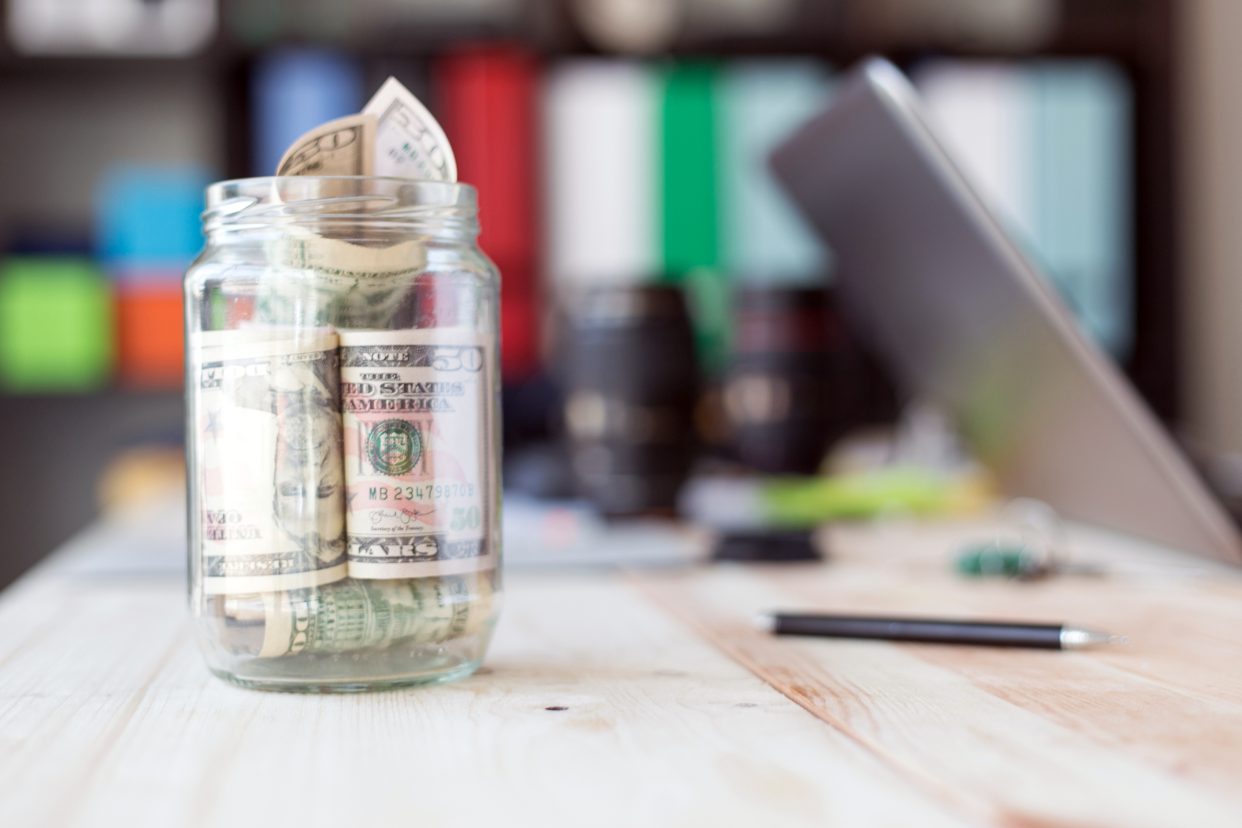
<point>405,204</point>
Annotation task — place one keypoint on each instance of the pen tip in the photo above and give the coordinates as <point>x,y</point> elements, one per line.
<point>764,622</point>
<point>1076,639</point>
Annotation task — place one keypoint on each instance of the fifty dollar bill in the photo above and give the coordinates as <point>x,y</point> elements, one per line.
<point>268,460</point>
<point>394,135</point>
<point>419,452</point>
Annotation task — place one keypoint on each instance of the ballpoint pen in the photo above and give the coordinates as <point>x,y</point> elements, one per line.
<point>936,631</point>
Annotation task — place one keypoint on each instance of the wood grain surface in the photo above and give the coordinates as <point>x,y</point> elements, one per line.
<point>645,699</point>
<point>595,707</point>
<point>1149,733</point>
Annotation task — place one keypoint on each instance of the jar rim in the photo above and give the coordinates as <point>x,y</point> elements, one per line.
<point>267,200</point>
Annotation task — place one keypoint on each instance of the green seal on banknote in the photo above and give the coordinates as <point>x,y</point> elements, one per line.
<point>393,447</point>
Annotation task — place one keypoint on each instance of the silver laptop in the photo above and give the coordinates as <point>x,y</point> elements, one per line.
<point>961,316</point>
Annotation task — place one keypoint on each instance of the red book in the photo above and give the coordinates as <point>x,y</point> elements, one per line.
<point>487,99</point>
<point>150,348</point>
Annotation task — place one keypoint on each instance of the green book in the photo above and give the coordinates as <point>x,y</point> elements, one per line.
<point>689,168</point>
<point>55,326</point>
<point>689,203</point>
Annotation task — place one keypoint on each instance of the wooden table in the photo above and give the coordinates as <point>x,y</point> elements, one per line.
<point>644,698</point>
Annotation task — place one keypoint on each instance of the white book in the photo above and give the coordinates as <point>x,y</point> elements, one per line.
<point>984,114</point>
<point>602,171</point>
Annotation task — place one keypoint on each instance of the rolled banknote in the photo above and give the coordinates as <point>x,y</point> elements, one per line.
<point>268,459</point>
<point>353,274</point>
<point>344,283</point>
<point>419,452</point>
<point>351,615</point>
<point>409,143</point>
<point>345,146</point>
<point>394,135</point>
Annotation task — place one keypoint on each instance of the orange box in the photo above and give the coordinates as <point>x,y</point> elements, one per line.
<point>150,343</point>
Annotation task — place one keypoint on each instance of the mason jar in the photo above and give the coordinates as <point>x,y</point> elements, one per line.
<point>342,433</point>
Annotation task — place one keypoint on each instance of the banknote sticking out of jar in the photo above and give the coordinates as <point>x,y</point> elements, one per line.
<point>343,422</point>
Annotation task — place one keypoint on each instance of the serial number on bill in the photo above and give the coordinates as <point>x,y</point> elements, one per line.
<point>423,493</point>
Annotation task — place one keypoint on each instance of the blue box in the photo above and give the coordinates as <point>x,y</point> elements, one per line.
<point>148,218</point>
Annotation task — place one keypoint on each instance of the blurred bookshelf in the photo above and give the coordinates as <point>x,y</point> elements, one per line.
<point>101,126</point>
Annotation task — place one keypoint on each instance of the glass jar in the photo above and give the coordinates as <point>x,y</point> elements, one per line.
<point>342,433</point>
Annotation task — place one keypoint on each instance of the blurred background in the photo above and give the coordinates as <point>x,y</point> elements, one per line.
<point>619,149</point>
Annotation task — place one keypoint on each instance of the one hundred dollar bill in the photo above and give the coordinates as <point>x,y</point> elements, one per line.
<point>419,452</point>
<point>269,460</point>
<point>409,143</point>
<point>350,615</point>
<point>345,146</point>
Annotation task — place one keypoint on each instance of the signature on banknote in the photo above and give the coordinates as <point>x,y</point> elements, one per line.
<point>406,516</point>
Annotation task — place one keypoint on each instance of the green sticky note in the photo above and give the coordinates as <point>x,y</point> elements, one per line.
<point>809,501</point>
<point>55,325</point>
